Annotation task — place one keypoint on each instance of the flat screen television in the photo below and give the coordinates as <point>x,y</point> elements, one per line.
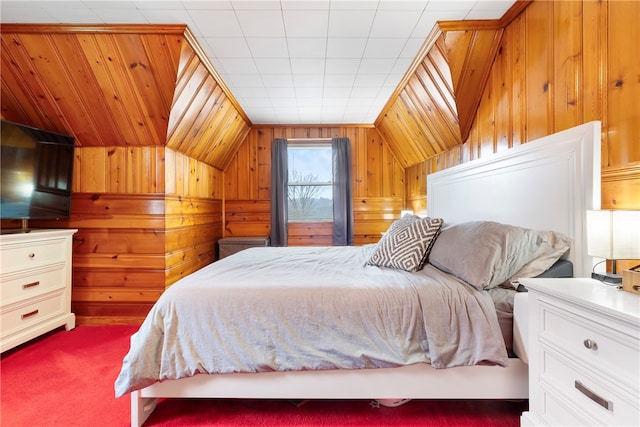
<point>36,170</point>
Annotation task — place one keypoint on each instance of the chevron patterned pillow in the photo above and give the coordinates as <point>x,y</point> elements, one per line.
<point>406,246</point>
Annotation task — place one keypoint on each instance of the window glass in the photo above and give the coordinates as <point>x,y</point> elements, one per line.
<point>310,182</point>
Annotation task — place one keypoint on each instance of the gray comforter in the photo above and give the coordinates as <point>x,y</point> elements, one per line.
<point>311,308</point>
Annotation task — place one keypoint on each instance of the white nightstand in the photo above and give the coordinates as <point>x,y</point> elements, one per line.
<point>584,354</point>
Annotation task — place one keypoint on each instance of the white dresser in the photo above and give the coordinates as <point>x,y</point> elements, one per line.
<point>35,285</point>
<point>584,354</point>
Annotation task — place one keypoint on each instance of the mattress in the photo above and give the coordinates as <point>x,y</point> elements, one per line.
<point>311,308</point>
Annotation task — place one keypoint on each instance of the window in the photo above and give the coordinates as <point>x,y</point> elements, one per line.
<point>310,172</point>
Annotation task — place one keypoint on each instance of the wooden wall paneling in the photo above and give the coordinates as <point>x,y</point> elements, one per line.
<point>86,112</point>
<point>99,60</point>
<point>310,233</point>
<point>193,227</point>
<point>502,84</point>
<point>264,143</point>
<point>486,122</point>
<point>415,98</point>
<point>594,53</point>
<point>567,64</point>
<point>120,71</point>
<point>514,40</point>
<point>623,84</point>
<point>373,215</point>
<point>31,95</point>
<point>163,52</point>
<point>191,76</point>
<point>621,187</point>
<point>118,254</point>
<point>470,54</point>
<point>152,94</point>
<point>359,173</point>
<point>416,187</point>
<point>376,174</point>
<point>231,180</point>
<point>234,130</point>
<point>247,218</point>
<point>557,68</point>
<point>539,60</point>
<point>374,167</point>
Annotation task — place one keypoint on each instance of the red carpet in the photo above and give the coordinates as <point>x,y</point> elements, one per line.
<point>66,379</point>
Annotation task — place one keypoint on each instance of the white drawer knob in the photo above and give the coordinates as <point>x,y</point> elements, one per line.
<point>590,344</point>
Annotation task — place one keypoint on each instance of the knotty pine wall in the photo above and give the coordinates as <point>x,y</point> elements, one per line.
<point>378,185</point>
<point>146,216</point>
<point>560,64</point>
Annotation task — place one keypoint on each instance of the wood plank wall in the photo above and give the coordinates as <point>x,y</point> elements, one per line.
<point>378,185</point>
<point>561,64</point>
<point>140,228</point>
<point>147,195</point>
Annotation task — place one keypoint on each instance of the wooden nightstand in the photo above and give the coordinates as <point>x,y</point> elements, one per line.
<point>584,354</point>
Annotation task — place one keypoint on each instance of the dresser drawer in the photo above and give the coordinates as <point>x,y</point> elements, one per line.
<point>611,351</point>
<point>24,255</point>
<point>16,287</point>
<point>600,400</point>
<point>32,312</point>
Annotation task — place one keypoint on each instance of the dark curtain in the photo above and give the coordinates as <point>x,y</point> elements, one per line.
<point>342,194</point>
<point>279,192</point>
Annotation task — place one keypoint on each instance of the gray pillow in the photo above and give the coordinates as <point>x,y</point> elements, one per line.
<point>553,247</point>
<point>484,253</point>
<point>406,244</point>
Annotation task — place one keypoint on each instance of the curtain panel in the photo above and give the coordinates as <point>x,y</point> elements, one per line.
<point>279,192</point>
<point>342,192</point>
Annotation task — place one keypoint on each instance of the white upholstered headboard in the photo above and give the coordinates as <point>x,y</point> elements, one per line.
<point>546,184</point>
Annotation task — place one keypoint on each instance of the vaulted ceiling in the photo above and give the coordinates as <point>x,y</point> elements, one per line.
<point>154,85</point>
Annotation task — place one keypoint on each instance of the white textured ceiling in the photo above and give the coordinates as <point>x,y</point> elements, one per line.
<point>288,61</point>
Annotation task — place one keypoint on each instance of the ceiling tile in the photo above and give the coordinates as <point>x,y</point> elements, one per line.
<point>393,23</point>
<point>216,23</point>
<point>261,23</point>
<point>307,65</point>
<point>273,65</point>
<point>350,23</point>
<point>307,47</point>
<point>346,47</point>
<point>308,23</point>
<point>268,47</point>
<point>384,48</point>
<point>227,47</point>
<point>277,80</point>
<point>238,65</point>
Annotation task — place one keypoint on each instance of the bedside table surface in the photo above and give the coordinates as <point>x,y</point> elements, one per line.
<point>589,292</point>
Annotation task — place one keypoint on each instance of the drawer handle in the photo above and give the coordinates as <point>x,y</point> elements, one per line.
<point>29,314</point>
<point>30,285</point>
<point>590,344</point>
<point>606,404</point>
<point>32,255</point>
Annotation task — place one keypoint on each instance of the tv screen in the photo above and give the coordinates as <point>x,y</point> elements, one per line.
<point>36,171</point>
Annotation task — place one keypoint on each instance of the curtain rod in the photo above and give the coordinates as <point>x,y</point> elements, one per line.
<point>308,139</point>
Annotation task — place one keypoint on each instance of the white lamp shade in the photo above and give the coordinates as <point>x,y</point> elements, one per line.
<point>613,234</point>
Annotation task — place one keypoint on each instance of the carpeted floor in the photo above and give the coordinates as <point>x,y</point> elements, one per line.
<point>66,379</point>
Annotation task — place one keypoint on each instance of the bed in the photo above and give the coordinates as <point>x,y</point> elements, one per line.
<point>544,185</point>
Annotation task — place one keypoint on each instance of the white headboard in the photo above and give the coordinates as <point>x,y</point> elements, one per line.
<point>546,184</point>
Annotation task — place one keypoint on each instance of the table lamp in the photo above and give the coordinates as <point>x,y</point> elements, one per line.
<point>613,235</point>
